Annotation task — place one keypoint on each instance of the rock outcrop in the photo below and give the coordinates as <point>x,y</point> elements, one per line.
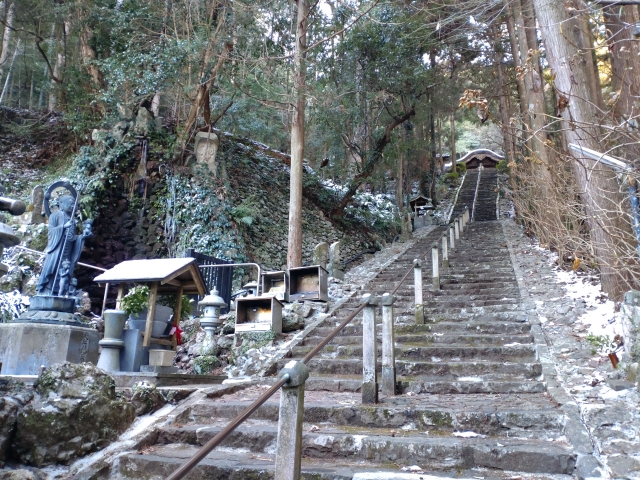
<point>74,411</point>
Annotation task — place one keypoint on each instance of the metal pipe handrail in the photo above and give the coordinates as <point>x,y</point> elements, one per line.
<point>608,160</point>
<point>42,254</point>
<point>475,195</point>
<point>219,438</point>
<point>250,264</point>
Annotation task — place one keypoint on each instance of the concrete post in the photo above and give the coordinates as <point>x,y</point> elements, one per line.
<point>289,448</point>
<point>369,350</point>
<point>452,243</point>
<point>417,281</point>
<point>461,222</point>
<point>435,267</point>
<point>445,252</point>
<point>456,225</point>
<point>388,386</point>
<point>112,342</point>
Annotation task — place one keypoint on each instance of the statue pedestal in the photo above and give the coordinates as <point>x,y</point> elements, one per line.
<point>53,310</point>
<point>24,347</point>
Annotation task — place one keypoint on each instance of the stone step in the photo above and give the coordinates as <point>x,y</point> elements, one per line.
<point>353,383</point>
<point>515,353</point>
<point>490,325</point>
<point>471,309</point>
<point>496,418</point>
<point>430,339</point>
<point>159,461</point>
<point>434,302</point>
<point>406,447</point>
<point>450,370</point>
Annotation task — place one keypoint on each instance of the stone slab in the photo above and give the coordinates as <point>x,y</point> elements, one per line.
<point>619,385</point>
<point>157,369</point>
<point>127,379</point>
<point>397,476</point>
<point>24,347</point>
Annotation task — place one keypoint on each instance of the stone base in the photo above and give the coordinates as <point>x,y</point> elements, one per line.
<point>51,317</point>
<point>24,347</point>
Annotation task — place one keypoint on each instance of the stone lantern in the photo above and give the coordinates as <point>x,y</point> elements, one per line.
<point>210,321</point>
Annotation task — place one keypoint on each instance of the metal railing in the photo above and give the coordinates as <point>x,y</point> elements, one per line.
<point>293,376</point>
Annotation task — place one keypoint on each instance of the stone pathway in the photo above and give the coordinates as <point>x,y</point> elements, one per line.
<point>498,384</point>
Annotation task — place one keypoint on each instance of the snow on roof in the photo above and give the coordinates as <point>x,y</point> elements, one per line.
<point>170,272</point>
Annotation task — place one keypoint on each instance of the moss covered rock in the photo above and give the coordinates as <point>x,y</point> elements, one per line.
<point>74,411</point>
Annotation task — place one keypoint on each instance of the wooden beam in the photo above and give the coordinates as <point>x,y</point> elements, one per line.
<point>151,312</point>
<point>175,283</point>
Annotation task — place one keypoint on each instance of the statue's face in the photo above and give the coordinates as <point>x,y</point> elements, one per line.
<point>66,204</point>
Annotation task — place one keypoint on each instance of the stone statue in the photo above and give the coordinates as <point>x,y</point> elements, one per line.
<point>63,249</point>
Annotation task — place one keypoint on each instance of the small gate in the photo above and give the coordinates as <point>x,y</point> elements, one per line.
<point>221,278</point>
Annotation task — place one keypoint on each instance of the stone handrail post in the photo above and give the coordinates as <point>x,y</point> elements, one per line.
<point>435,267</point>
<point>452,243</point>
<point>456,225</point>
<point>289,447</point>
<point>417,281</point>
<point>369,388</point>
<point>461,223</point>
<point>388,386</point>
<point>445,252</point>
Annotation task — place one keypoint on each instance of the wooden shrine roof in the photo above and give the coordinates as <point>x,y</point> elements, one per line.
<point>170,273</point>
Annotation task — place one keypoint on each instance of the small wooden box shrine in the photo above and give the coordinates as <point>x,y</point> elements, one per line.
<point>258,314</point>
<point>308,283</point>
<point>276,284</point>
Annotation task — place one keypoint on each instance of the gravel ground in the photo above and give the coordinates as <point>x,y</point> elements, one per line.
<point>569,306</point>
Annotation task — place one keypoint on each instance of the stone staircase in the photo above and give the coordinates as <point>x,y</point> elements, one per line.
<point>471,397</point>
<point>466,193</point>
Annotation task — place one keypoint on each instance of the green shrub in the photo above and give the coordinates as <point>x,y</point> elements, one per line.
<point>502,166</point>
<point>136,301</point>
<point>451,177</point>
<point>461,168</point>
<point>205,364</point>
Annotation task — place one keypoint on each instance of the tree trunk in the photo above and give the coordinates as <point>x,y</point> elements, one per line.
<point>400,183</point>
<point>454,166</point>
<point>6,38</point>
<point>611,238</point>
<point>515,53</point>
<point>56,93</point>
<point>7,82</point>
<point>294,251</point>
<point>624,52</point>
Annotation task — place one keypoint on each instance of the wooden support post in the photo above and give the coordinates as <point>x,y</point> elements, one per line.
<point>445,252</point>
<point>417,281</point>
<point>388,386</point>
<point>435,267</point>
<point>177,311</point>
<point>369,388</point>
<point>289,447</point>
<point>151,312</point>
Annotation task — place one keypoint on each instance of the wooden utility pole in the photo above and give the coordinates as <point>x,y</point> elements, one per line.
<point>294,252</point>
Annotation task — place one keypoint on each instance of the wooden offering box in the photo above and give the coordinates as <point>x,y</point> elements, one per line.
<point>276,284</point>
<point>308,283</point>
<point>258,314</point>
